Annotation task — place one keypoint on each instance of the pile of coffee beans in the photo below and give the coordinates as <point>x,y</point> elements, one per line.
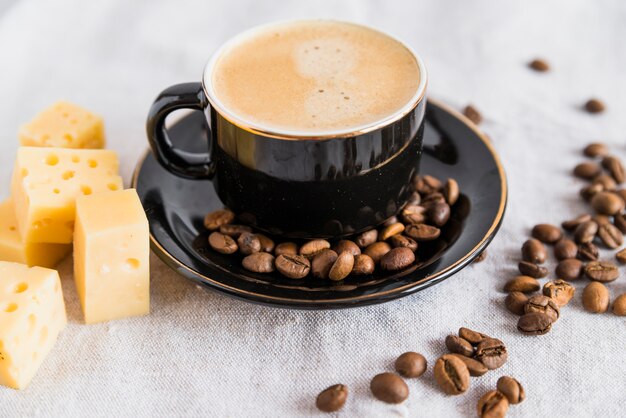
<point>390,248</point>
<point>495,403</point>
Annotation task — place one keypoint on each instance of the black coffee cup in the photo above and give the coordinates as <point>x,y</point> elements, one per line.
<point>306,186</point>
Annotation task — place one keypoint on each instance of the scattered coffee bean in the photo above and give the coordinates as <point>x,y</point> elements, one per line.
<point>534,251</point>
<point>234,230</point>
<point>347,245</point>
<point>472,114</point>
<point>607,203</point>
<point>539,65</point>
<point>426,185</point>
<point>481,257</point>
<point>451,191</point>
<point>515,302</point>
<point>588,192</point>
<point>390,221</point>
<point>587,170</point>
<point>532,270</point>
<point>588,252</point>
<point>377,250</point>
<point>397,259</point>
<point>414,214</point>
<point>367,238</point>
<point>389,388</point>
<point>585,232</point>
<point>475,367</point>
<point>293,266</point>
<point>492,353</point>
<point>422,232</point>
<point>534,323</point>
<point>559,290</point>
<point>571,224</point>
<point>524,284</point>
<point>438,214</point>
<point>610,235</point>
<point>569,269</point>
<point>222,243</point>
<point>565,248</point>
<point>594,106</point>
<point>619,306</point>
<point>397,241</point>
<point>621,256</point>
<point>287,248</point>
<point>458,345</point>
<point>415,198</point>
<point>248,243</point>
<point>601,271</point>
<point>411,364</point>
<point>267,244</point>
<point>543,304</point>
<point>596,298</point>
<point>342,267</point>
<point>322,262</point>
<point>259,262</point>
<point>546,233</point>
<point>313,247</point>
<point>621,193</point>
<point>492,404</point>
<point>451,374</point>
<point>606,181</point>
<point>601,219</point>
<point>615,167</point>
<point>596,150</point>
<point>471,336</point>
<point>218,218</point>
<point>363,264</point>
<point>512,389</point>
<point>332,399</point>
<point>619,220</point>
<point>432,199</point>
<point>391,230</point>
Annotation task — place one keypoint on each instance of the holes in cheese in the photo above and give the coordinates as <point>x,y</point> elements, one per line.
<point>112,186</point>
<point>10,307</point>
<point>43,335</point>
<point>68,175</point>
<point>92,163</point>
<point>132,264</point>
<point>75,159</point>
<point>21,287</point>
<point>86,190</point>
<point>52,159</point>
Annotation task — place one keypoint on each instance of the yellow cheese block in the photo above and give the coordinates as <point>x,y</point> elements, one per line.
<point>13,249</point>
<point>46,182</point>
<point>32,314</point>
<point>64,125</point>
<point>112,256</point>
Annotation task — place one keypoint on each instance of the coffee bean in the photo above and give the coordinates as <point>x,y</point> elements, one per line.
<point>492,404</point>
<point>267,244</point>
<point>621,256</point>
<point>260,262</point>
<point>596,298</point>
<point>458,345</point>
<point>389,388</point>
<point>432,199</point>
<point>222,243</point>
<point>524,284</point>
<point>451,191</point>
<point>585,232</point>
<point>588,192</point>
<point>610,235</point>
<point>363,264</point>
<point>515,302</point>
<point>438,214</point>
<point>397,259</point>
<point>547,233</point>
<point>471,336</point>
<point>587,170</point>
<point>569,269</point>
<point>332,399</point>
<point>377,250</point>
<point>322,262</point>
<point>588,252</point>
<point>492,353</point>
<point>414,198</point>
<point>313,247</point>
<point>293,266</point>
<point>422,232</point>
<point>248,243</point>
<point>615,167</point>
<point>534,251</point>
<point>234,230</point>
<point>481,257</point>
<point>475,367</point>
<point>596,150</point>
<point>391,230</point>
<point>397,241</point>
<point>619,306</point>
<point>411,364</point>
<point>621,193</point>
<point>414,214</point>
<point>559,290</point>
<point>601,219</point>
<point>287,248</point>
<point>543,304</point>
<point>367,238</point>
<point>347,245</point>
<point>573,223</point>
<point>619,220</point>
<point>390,221</point>
<point>607,203</point>
<point>594,106</point>
<point>607,182</point>
<point>512,389</point>
<point>451,374</point>
<point>539,65</point>
<point>426,185</point>
<point>342,267</point>
<point>532,270</point>
<point>534,323</point>
<point>218,218</point>
<point>472,114</point>
<point>601,271</point>
<point>565,248</point>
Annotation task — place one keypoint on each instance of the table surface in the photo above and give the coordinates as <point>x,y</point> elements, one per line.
<point>203,354</point>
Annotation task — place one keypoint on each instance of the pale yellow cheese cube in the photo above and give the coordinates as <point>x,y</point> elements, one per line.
<point>64,125</point>
<point>46,182</point>
<point>13,249</point>
<point>32,313</point>
<point>112,256</point>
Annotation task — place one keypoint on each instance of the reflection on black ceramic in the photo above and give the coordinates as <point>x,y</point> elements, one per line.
<point>452,148</point>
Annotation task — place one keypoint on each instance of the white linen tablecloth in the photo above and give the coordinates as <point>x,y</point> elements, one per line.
<point>203,354</point>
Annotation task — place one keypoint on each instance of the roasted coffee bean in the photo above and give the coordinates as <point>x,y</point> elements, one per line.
<point>615,167</point>
<point>621,256</point>
<point>234,230</point>
<point>512,389</point>
<point>596,298</point>
<point>422,232</point>
<point>539,65</point>
<point>389,388</point>
<point>248,243</point>
<point>218,218</point>
<point>588,252</point>
<point>426,185</point>
<point>267,244</point>
<point>607,203</point>
<point>524,284</point>
<point>573,223</point>
<point>594,106</point>
<point>481,257</point>
<point>414,214</point>
<point>492,353</point>
<point>619,220</point>
<point>363,264</point>
<point>610,235</point>
<point>588,192</point>
<point>601,219</point>
<point>451,191</point>
<point>390,221</point>
<point>587,170</point>
<point>432,199</point>
<point>287,248</point>
<point>458,345</point>
<point>475,367</point>
<point>451,374</point>
<point>585,232</point>
<point>377,250</point>
<point>411,364</point>
<point>397,241</point>
<point>471,336</point>
<point>222,243</point>
<point>534,251</point>
<point>543,304</point>
<point>547,233</point>
<point>534,323</point>
<point>621,193</point>
<point>313,247</point>
<point>322,262</point>
<point>560,291</point>
<point>260,262</point>
<point>391,230</point>
<point>532,270</point>
<point>414,199</point>
<point>342,267</point>
<point>565,248</point>
<point>515,302</point>
<point>293,266</point>
<point>601,271</point>
<point>397,259</point>
<point>596,149</point>
<point>606,181</point>
<point>332,399</point>
<point>347,245</point>
<point>367,238</point>
<point>492,404</point>
<point>569,269</point>
<point>619,306</point>
<point>472,114</point>
<point>438,214</point>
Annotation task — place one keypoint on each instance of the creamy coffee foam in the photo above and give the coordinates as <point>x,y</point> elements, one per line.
<point>314,77</point>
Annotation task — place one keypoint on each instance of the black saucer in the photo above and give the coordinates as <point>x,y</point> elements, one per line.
<point>453,147</point>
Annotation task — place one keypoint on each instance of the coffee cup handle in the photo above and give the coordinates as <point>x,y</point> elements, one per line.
<point>182,163</point>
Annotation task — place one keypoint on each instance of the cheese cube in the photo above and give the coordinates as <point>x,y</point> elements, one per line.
<point>13,249</point>
<point>112,256</point>
<point>64,125</point>
<point>46,182</point>
<point>32,314</point>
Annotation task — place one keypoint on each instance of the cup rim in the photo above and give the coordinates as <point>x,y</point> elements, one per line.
<point>257,129</point>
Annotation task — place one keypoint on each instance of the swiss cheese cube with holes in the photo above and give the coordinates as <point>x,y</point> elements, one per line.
<point>32,314</point>
<point>46,183</point>
<point>64,125</point>
<point>12,248</point>
<point>112,256</point>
